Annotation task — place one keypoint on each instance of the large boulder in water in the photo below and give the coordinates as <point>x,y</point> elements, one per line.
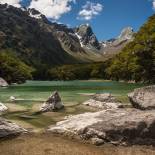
<point>115,126</point>
<point>103,101</point>
<point>3,83</point>
<point>8,128</point>
<point>53,103</point>
<point>143,98</point>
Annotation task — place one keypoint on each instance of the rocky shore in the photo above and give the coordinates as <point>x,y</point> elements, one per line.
<point>119,126</point>
<point>113,123</point>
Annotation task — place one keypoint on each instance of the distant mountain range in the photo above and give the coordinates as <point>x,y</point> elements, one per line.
<point>34,37</point>
<point>41,44</point>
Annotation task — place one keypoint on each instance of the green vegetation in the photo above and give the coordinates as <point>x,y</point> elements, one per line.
<point>31,41</point>
<point>32,45</point>
<point>12,69</point>
<point>78,71</point>
<point>137,60</point>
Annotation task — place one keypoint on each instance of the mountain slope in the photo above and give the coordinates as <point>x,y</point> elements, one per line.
<point>137,60</point>
<point>41,44</point>
<point>36,39</point>
<point>32,43</point>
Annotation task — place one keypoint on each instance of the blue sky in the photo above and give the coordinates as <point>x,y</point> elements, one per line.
<point>107,19</point>
<point>116,15</point>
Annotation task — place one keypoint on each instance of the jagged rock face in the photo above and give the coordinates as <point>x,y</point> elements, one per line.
<point>117,126</point>
<point>126,34</point>
<point>114,46</point>
<point>3,83</point>
<point>87,37</point>
<point>143,98</point>
<point>51,43</point>
<point>53,103</point>
<point>67,38</point>
<point>103,101</point>
<point>8,128</point>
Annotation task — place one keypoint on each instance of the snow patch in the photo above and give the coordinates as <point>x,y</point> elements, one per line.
<point>79,37</point>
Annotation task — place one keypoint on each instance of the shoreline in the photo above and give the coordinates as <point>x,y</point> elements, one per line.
<point>43,144</point>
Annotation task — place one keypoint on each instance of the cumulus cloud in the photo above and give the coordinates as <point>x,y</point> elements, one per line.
<point>89,10</point>
<point>15,3</point>
<point>52,8</point>
<point>153,4</point>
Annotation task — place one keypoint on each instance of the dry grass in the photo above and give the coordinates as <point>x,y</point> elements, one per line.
<point>45,144</point>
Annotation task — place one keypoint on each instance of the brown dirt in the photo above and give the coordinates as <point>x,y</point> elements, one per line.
<point>47,144</point>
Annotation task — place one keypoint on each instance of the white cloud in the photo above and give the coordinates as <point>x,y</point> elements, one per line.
<point>89,10</point>
<point>15,3</point>
<point>153,4</point>
<point>52,8</point>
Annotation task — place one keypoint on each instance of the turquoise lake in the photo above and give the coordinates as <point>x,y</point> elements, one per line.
<point>31,95</point>
<point>69,90</point>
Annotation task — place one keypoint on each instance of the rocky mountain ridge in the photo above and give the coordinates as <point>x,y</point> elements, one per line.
<point>81,40</point>
<point>80,43</point>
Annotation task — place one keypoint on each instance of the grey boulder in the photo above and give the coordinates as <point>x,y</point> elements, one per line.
<point>143,98</point>
<point>103,101</point>
<point>53,103</point>
<point>119,127</point>
<point>8,128</point>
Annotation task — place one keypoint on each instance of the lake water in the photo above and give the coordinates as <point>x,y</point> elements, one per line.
<point>69,90</point>
<point>33,93</point>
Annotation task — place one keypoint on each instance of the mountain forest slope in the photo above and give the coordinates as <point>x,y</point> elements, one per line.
<point>135,62</point>
<point>45,50</point>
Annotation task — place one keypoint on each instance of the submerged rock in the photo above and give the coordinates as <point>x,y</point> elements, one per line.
<point>53,103</point>
<point>143,98</point>
<point>119,127</point>
<point>103,101</point>
<point>8,128</point>
<point>3,83</point>
<point>2,107</point>
<point>12,98</point>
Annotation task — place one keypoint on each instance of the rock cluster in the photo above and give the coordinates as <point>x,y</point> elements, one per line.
<point>103,101</point>
<point>53,103</point>
<point>119,126</point>
<point>143,98</point>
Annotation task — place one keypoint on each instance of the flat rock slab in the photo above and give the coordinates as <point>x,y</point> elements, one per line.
<point>143,98</point>
<point>103,101</point>
<point>8,128</point>
<point>119,127</point>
